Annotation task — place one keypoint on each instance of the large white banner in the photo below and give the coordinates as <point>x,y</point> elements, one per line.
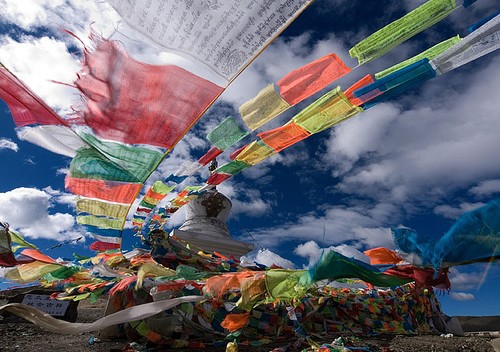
<point>224,35</point>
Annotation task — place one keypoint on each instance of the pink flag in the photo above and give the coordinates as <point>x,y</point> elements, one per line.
<point>136,103</point>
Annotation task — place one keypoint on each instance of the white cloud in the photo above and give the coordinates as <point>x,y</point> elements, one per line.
<point>485,188</point>
<point>268,258</point>
<point>358,225</point>
<point>53,62</point>
<point>6,143</point>
<point>426,150</point>
<point>464,281</point>
<point>27,211</point>
<point>462,296</point>
<point>311,251</point>
<point>450,212</point>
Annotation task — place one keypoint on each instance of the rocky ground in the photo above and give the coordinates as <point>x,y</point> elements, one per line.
<point>24,336</point>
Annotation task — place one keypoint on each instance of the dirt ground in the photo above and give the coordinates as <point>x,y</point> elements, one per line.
<point>22,336</point>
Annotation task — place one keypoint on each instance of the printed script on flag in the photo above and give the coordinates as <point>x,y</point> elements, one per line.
<point>224,35</point>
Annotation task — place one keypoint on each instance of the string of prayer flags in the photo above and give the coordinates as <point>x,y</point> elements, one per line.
<point>311,78</point>
<point>221,37</point>
<point>427,54</point>
<point>227,133</point>
<point>89,163</point>
<point>480,42</point>
<point>395,33</point>
<point>284,136</point>
<point>139,161</point>
<point>266,105</point>
<point>325,112</point>
<point>473,237</point>
<point>58,139</point>
<point>105,235</point>
<point>103,246</point>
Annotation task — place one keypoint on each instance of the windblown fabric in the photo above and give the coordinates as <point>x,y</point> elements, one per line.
<point>283,136</point>
<point>395,83</point>
<point>311,78</point>
<point>172,99</point>
<point>266,105</point>
<point>480,42</point>
<point>333,265</point>
<point>6,255</point>
<point>395,33</point>
<point>473,237</point>
<point>224,36</point>
<point>97,207</point>
<point>26,107</point>
<point>58,139</point>
<point>364,81</point>
<point>427,54</point>
<point>113,191</point>
<point>227,133</point>
<point>255,152</point>
<point>101,221</point>
<point>36,122</point>
<point>325,112</point>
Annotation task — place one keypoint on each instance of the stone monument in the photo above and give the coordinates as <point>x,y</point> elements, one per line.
<point>205,225</point>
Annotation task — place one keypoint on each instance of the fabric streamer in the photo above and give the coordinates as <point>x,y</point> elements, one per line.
<point>333,265</point>
<point>63,327</point>
<point>226,134</point>
<point>480,42</point>
<point>172,99</point>
<point>255,152</point>
<point>473,237</point>
<point>395,33</point>
<point>113,191</point>
<point>325,112</point>
<point>265,106</point>
<point>6,255</point>
<point>395,83</point>
<point>283,136</point>
<point>311,78</point>
<point>427,54</point>
<point>97,207</point>
<point>223,37</point>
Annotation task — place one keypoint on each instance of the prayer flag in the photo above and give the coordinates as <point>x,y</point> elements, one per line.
<point>476,44</point>
<point>223,36</point>
<point>226,134</point>
<point>427,54</point>
<point>266,105</point>
<point>171,98</point>
<point>311,78</point>
<point>324,113</point>
<point>395,33</point>
<point>283,136</point>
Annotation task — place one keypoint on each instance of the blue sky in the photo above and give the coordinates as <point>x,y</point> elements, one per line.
<point>419,160</point>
